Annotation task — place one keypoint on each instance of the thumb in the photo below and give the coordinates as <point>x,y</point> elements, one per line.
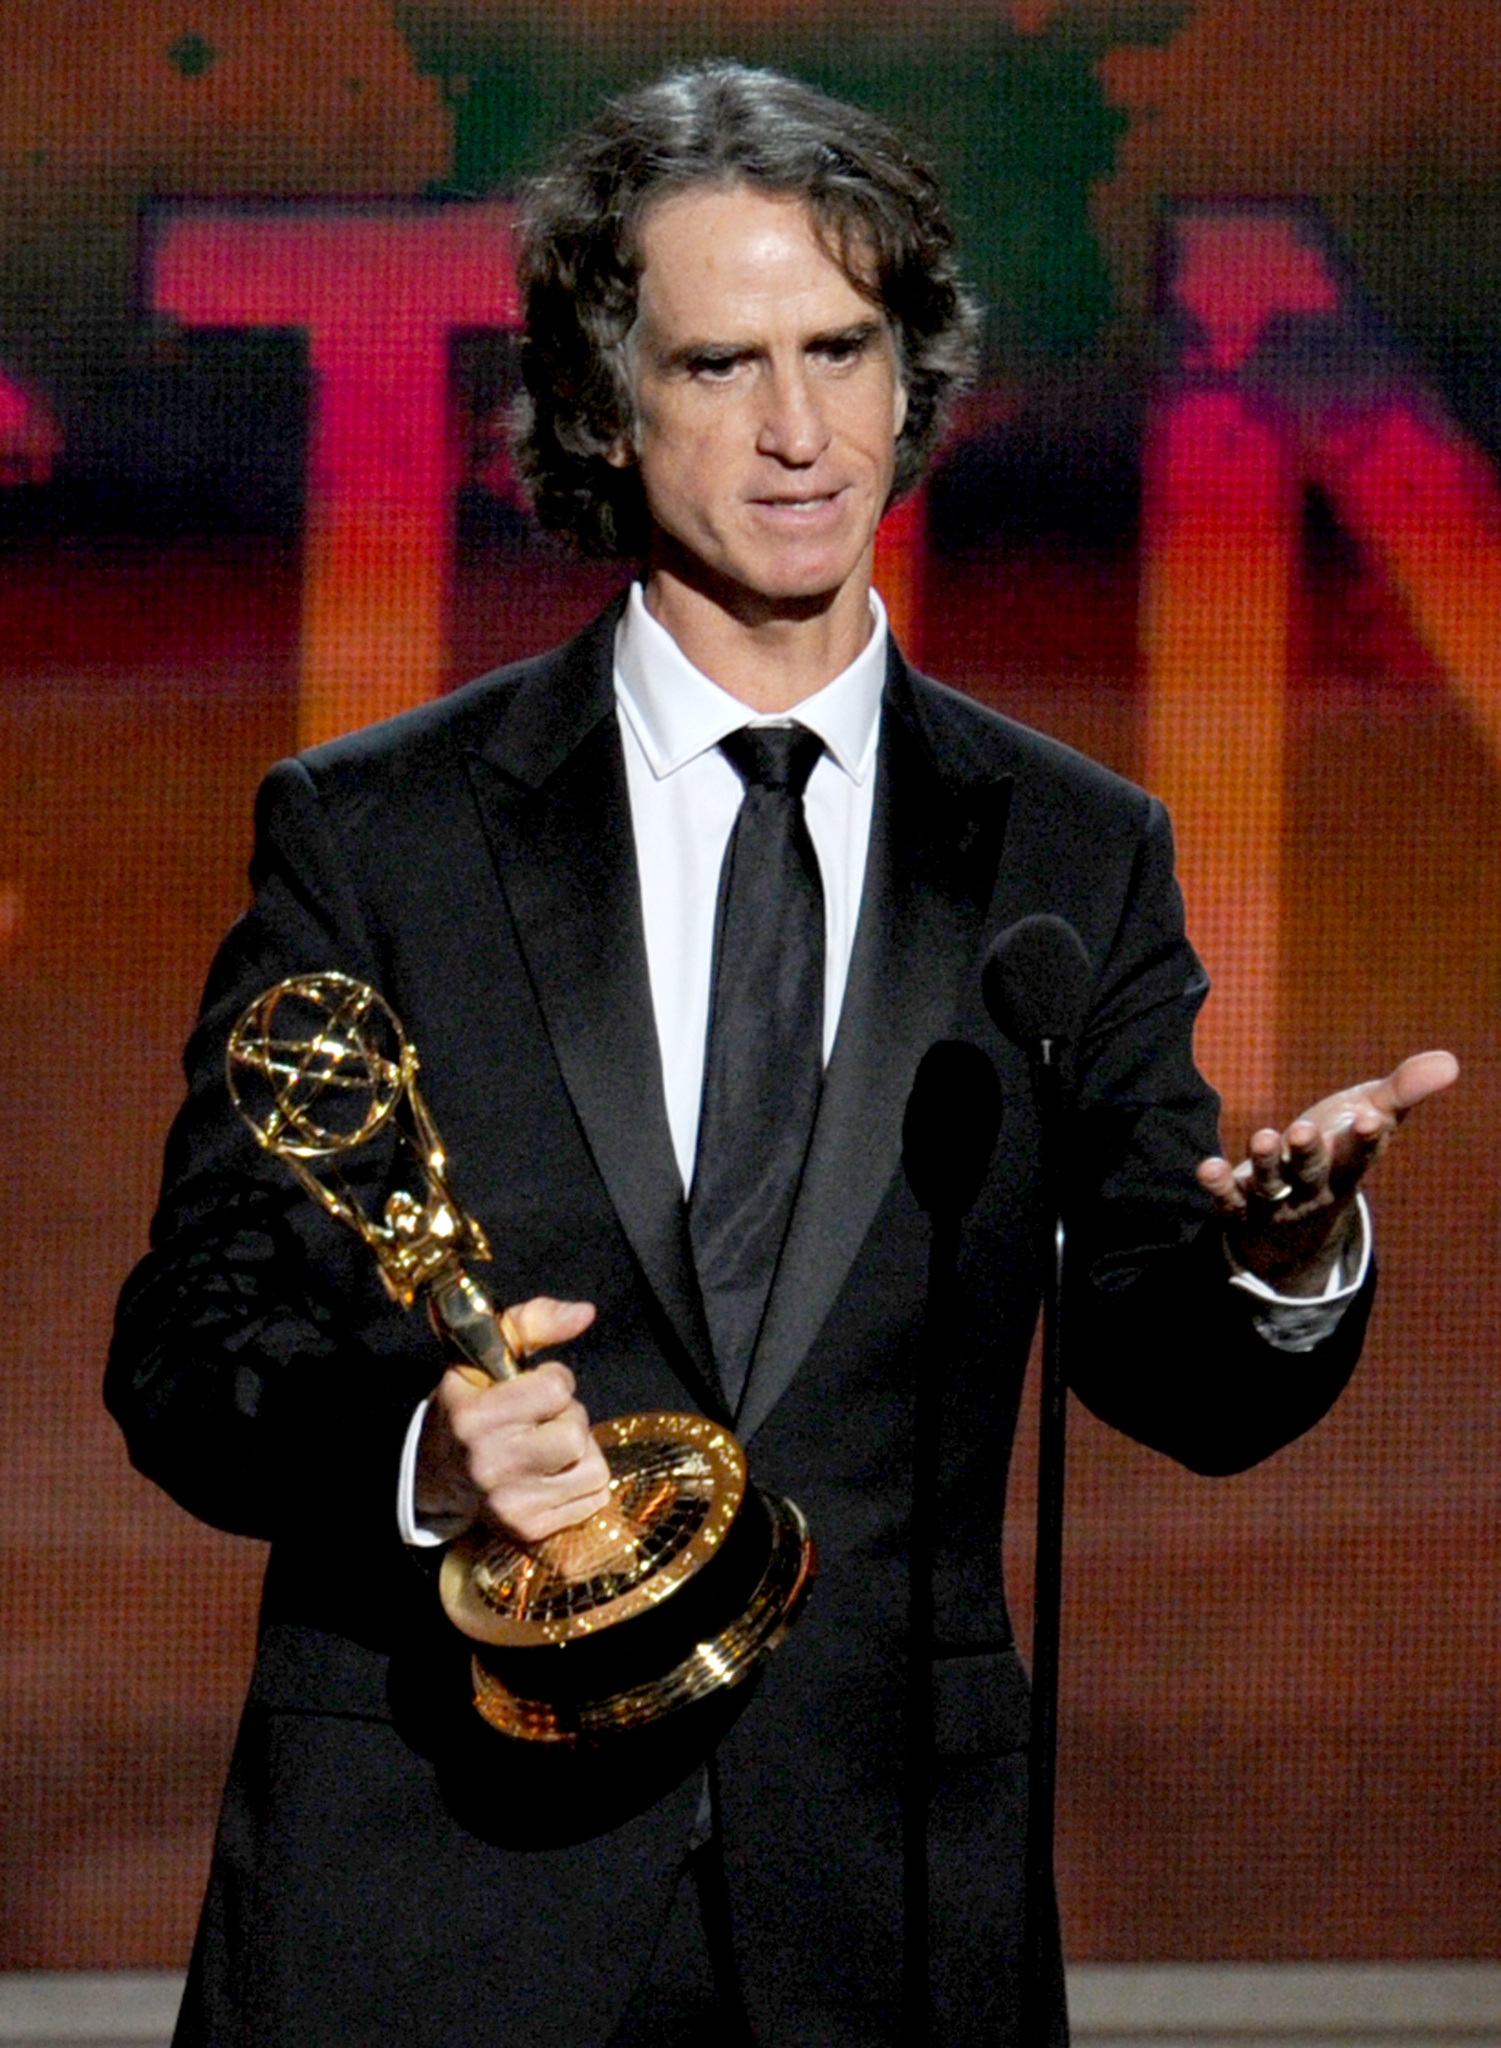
<point>536,1324</point>
<point>1420,1075</point>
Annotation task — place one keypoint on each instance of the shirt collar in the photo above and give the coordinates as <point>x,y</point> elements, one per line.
<point>678,713</point>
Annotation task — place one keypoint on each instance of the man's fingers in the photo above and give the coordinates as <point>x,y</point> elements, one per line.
<point>532,1397</point>
<point>556,1463</point>
<point>1323,1153</point>
<point>524,1444</point>
<point>560,1448</point>
<point>1265,1177</point>
<point>554,1477</point>
<point>1308,1160</point>
<point>532,1520</point>
<point>1218,1180</point>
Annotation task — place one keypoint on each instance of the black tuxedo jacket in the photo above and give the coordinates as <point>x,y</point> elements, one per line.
<point>389,1871</point>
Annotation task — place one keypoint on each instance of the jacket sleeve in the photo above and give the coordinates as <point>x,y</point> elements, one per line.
<point>1160,1345</point>
<point>258,1371</point>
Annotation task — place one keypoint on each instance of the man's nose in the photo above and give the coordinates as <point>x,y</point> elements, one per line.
<point>793,427</point>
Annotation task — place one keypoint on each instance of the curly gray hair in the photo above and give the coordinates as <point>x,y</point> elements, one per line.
<point>716,123</point>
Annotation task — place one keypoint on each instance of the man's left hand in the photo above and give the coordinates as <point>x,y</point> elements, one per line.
<point>1288,1209</point>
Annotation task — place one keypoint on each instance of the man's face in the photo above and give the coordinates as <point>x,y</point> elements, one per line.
<point>767,403</point>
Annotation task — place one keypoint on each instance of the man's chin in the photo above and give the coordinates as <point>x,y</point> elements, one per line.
<point>787,597</point>
<point>766,589</point>
<point>803,583</point>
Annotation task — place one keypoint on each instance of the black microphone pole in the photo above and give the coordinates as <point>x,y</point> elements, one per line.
<point>1036,984</point>
<point>949,1131</point>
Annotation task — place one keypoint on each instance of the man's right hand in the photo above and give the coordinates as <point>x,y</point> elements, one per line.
<point>517,1452</point>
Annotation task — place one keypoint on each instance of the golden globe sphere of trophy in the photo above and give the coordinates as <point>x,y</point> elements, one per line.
<point>671,1594</point>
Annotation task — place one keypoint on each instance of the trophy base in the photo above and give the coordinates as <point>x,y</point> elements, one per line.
<point>742,1607</point>
<point>678,1486</point>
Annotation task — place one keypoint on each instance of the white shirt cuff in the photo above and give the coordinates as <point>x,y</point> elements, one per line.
<point>421,1532</point>
<point>1291,1322</point>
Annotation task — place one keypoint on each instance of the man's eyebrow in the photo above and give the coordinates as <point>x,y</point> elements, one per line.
<point>859,331</point>
<point>687,353</point>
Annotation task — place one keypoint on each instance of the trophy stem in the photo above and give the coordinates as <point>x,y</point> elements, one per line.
<point>461,1313</point>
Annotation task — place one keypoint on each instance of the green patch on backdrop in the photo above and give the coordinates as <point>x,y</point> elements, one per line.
<point>1018,124</point>
<point>191,55</point>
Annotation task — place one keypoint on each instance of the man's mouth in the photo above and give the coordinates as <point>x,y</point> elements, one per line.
<point>810,503</point>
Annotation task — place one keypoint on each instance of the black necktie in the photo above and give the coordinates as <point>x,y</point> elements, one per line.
<point>764,1062</point>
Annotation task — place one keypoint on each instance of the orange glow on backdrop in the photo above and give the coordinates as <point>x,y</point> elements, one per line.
<point>1231,524</point>
<point>1219,556</point>
<point>1244,424</point>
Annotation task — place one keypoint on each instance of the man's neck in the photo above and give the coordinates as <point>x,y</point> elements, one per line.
<point>770,657</point>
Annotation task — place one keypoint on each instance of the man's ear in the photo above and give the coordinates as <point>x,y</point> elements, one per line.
<point>620,454</point>
<point>899,412</point>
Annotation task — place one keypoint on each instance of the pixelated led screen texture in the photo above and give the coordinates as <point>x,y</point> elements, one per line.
<point>1225,511</point>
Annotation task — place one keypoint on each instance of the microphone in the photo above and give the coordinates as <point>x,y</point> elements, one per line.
<point>1035,982</point>
<point>950,1126</point>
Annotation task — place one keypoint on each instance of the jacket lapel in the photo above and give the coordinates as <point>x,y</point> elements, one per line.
<point>549,781</point>
<point>936,837</point>
<point>550,785</point>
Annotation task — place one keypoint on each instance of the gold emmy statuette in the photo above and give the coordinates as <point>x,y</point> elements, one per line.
<point>670,1594</point>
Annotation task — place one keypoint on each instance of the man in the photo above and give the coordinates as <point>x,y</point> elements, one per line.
<point>743,323</point>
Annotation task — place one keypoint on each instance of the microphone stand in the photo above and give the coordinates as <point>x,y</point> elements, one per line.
<point>948,1135</point>
<point>943,1268</point>
<point>1036,983</point>
<point>1039,1912</point>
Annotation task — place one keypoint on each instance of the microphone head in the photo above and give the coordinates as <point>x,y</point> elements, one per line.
<point>952,1120</point>
<point>1036,981</point>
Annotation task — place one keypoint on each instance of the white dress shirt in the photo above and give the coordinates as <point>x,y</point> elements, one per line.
<point>684,797</point>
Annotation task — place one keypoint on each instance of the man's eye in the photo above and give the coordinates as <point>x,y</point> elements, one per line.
<point>845,349</point>
<point>714,368</point>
